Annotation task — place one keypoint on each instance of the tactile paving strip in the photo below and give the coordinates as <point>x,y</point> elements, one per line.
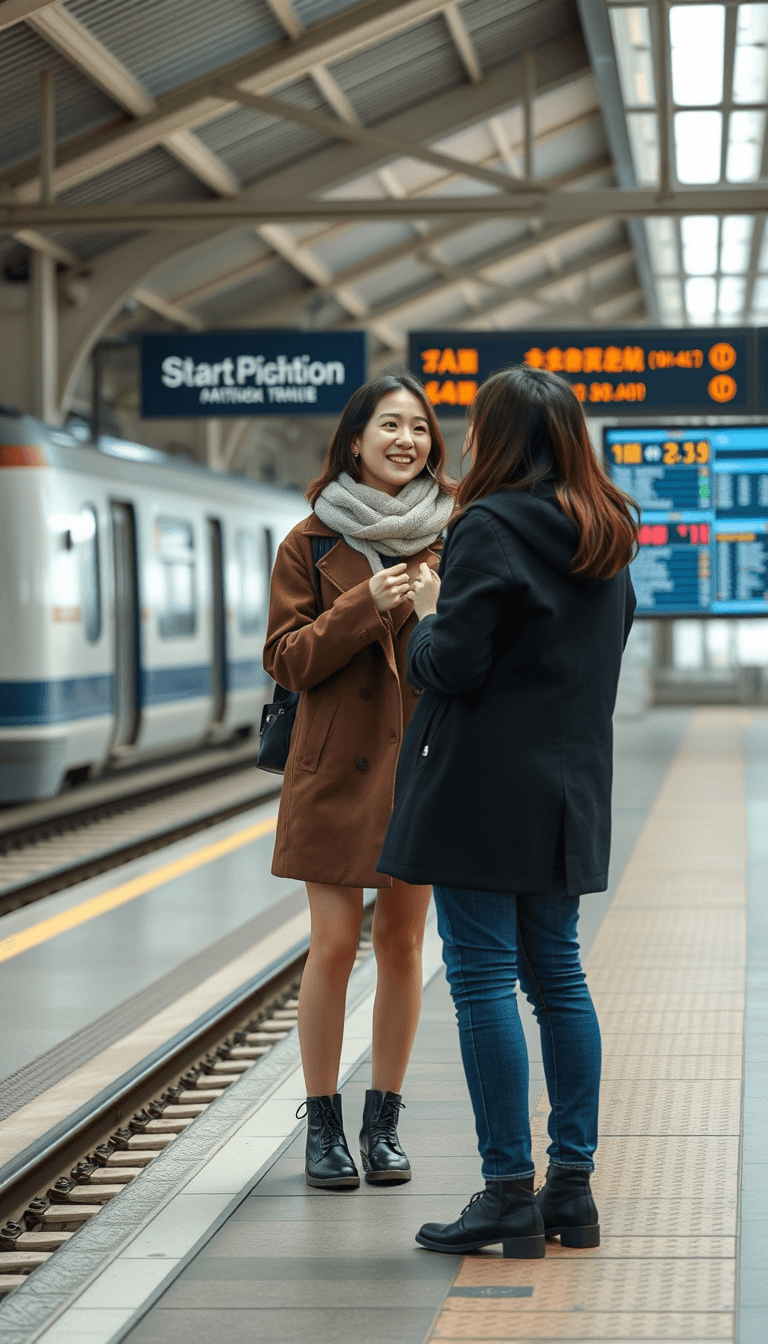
<point>667,969</point>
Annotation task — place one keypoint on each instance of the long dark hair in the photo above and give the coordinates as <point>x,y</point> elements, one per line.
<point>525,423</point>
<point>355,416</point>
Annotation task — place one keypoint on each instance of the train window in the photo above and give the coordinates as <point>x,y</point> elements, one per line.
<point>175,540</point>
<point>87,537</point>
<point>253,583</point>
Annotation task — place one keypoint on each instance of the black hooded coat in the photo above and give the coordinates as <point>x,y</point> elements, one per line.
<point>504,780</point>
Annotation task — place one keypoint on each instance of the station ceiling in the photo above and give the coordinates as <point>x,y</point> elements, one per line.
<point>426,135</point>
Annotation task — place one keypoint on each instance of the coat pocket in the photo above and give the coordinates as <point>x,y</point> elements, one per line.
<point>318,725</point>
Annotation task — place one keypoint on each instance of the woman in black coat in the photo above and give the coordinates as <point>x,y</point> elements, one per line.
<point>504,787</point>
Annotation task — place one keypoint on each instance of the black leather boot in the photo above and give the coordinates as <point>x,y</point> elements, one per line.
<point>568,1209</point>
<point>329,1161</point>
<point>504,1211</point>
<point>382,1156</point>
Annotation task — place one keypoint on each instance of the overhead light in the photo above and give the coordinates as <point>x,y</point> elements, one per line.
<point>746,132</point>
<point>731,296</point>
<point>750,63</point>
<point>698,136</point>
<point>701,298</point>
<point>644,142</point>
<point>697,37</point>
<point>670,300</point>
<point>632,44</point>
<point>735,244</point>
<point>700,238</point>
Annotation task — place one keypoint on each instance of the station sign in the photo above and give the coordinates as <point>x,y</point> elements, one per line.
<point>616,372</point>
<point>249,373</point>
<point>703,498</point>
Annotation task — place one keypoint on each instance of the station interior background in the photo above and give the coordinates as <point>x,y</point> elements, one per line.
<point>344,98</point>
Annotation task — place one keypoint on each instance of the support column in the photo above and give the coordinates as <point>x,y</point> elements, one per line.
<point>45,308</point>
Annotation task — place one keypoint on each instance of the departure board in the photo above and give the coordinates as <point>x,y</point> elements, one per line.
<point>703,498</point>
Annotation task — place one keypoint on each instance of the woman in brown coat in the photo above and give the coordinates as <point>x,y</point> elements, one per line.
<point>338,631</point>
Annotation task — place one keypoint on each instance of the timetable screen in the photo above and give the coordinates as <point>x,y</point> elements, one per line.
<point>703,499</point>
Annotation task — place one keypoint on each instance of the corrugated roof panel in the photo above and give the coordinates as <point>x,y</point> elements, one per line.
<point>484,240</point>
<point>361,242</point>
<point>253,145</point>
<point>221,256</point>
<point>502,29</point>
<point>393,282</point>
<point>312,11</point>
<point>245,302</point>
<point>401,72</point>
<point>79,104</point>
<point>88,244</point>
<point>153,176</point>
<point>164,43</point>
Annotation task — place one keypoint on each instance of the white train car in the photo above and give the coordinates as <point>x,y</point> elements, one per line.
<point>133,605</point>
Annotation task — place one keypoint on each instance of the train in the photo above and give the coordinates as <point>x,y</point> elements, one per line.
<point>133,604</point>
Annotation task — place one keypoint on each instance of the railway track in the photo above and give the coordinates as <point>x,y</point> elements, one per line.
<point>45,847</point>
<point>65,1179</point>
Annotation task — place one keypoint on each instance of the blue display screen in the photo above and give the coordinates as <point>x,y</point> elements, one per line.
<point>703,498</point>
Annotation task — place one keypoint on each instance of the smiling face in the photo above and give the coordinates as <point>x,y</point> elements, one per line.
<point>394,446</point>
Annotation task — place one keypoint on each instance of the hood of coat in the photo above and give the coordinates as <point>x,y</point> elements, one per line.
<point>538,519</point>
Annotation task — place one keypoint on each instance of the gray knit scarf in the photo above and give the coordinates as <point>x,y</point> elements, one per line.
<point>375,523</point>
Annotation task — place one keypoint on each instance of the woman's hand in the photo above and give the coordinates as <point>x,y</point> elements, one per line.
<point>424,592</point>
<point>390,586</point>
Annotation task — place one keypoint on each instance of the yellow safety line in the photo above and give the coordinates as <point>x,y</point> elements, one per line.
<point>128,891</point>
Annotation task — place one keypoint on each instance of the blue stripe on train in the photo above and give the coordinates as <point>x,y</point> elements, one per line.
<point>27,704</point>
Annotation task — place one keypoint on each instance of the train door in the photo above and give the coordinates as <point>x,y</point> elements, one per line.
<point>126,700</point>
<point>218,624</point>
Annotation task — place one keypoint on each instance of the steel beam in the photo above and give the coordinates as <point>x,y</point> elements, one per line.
<point>603,203</point>
<point>15,11</point>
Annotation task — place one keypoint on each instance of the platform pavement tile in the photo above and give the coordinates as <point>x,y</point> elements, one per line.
<point>274,1119</point>
<point>754,1233</point>
<point>506,1322</point>
<point>177,1227</point>
<point>753,1287</point>
<point>300,1238</point>
<point>674,1107</point>
<point>126,1283</point>
<point>445,1175</point>
<point>492,1268</point>
<point>348,1325</point>
<point>648,1216</point>
<point>753,1325</point>
<point>591,1283</point>
<point>409,1267</point>
<point>346,1207</point>
<point>639,1067</point>
<point>79,1325</point>
<point>232,1167</point>
<point>318,1294</point>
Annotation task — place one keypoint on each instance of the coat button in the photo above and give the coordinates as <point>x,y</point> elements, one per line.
<point>417,690</point>
<point>361,763</point>
<point>365,695</point>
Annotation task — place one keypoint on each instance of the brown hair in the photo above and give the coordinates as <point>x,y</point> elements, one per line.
<point>355,416</point>
<point>523,422</point>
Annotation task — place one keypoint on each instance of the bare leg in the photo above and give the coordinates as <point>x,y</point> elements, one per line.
<point>398,935</point>
<point>336,914</point>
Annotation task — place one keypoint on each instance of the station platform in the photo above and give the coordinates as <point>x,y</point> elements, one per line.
<point>677,960</point>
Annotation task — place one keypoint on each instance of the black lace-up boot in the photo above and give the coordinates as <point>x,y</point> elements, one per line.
<point>504,1211</point>
<point>568,1209</point>
<point>329,1161</point>
<point>382,1156</point>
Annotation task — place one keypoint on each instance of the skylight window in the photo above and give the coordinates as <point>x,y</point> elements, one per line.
<point>700,238</point>
<point>731,298</point>
<point>697,36</point>
<point>698,137</point>
<point>746,133</point>
<point>644,142</point>
<point>750,65</point>
<point>632,42</point>
<point>701,298</point>
<point>735,244</point>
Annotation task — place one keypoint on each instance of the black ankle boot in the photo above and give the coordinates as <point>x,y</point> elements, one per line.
<point>504,1211</point>
<point>329,1161</point>
<point>382,1156</point>
<point>568,1209</point>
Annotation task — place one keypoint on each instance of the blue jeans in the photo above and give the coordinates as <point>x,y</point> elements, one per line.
<point>490,940</point>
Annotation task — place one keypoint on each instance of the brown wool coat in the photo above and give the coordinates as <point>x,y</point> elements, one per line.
<point>349,663</point>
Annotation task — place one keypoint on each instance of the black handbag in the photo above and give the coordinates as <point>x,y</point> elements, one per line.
<point>278,718</point>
